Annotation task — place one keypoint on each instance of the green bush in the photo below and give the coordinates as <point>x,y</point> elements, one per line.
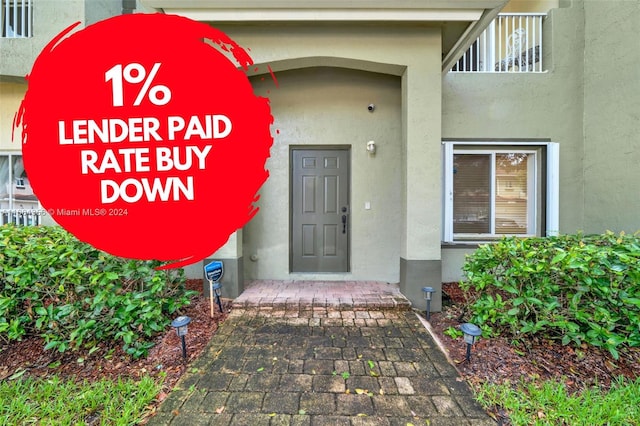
<point>573,288</point>
<point>75,296</point>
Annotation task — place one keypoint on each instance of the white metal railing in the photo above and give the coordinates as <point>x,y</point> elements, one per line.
<point>21,217</point>
<point>511,43</point>
<point>17,18</point>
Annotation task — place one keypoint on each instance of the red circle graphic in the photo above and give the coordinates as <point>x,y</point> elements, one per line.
<point>142,137</point>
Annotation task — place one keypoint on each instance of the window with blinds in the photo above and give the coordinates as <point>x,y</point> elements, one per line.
<point>471,193</point>
<point>493,189</point>
<point>493,193</point>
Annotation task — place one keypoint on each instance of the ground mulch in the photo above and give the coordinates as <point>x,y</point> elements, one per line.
<point>498,360</point>
<point>29,359</point>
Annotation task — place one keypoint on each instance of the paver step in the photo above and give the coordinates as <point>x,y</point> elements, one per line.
<point>337,295</point>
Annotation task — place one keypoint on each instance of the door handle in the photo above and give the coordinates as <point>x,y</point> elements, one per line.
<point>344,223</point>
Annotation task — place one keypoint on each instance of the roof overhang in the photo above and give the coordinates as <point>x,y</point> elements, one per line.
<point>461,21</point>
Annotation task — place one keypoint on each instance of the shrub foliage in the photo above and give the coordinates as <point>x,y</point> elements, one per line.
<point>573,288</point>
<point>75,296</point>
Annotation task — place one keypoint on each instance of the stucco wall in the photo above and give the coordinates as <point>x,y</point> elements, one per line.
<point>97,10</point>
<point>11,95</point>
<point>412,55</point>
<point>328,106</point>
<point>612,116</point>
<point>533,106</point>
<point>546,106</point>
<point>522,6</point>
<point>452,260</point>
<point>588,101</point>
<point>17,55</point>
<point>50,17</point>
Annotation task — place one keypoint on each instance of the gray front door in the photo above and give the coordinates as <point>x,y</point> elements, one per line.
<point>320,210</point>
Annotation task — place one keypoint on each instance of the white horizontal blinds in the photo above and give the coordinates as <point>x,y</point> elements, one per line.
<point>471,193</point>
<point>492,189</point>
<point>512,197</point>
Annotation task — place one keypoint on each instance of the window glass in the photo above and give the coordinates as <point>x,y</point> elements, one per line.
<point>4,182</point>
<point>511,193</point>
<point>471,194</point>
<point>23,196</point>
<point>18,203</point>
<point>493,193</point>
<point>18,168</point>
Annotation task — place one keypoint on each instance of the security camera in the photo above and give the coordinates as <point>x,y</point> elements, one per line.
<point>371,107</point>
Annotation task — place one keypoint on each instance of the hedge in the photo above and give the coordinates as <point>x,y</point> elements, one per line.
<point>75,296</point>
<point>574,288</point>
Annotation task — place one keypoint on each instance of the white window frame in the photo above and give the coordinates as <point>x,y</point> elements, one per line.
<point>474,147</point>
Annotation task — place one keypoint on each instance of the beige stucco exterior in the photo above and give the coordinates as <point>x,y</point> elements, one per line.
<point>50,17</point>
<point>588,101</point>
<point>327,76</point>
<point>611,117</point>
<point>528,6</point>
<point>329,70</point>
<point>11,95</point>
<point>332,57</point>
<point>323,106</point>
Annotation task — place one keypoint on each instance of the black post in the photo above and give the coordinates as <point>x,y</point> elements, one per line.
<point>428,310</point>
<point>218,302</point>
<point>184,348</point>
<point>468,352</point>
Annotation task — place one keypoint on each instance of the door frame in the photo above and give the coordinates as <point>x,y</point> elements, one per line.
<point>338,147</point>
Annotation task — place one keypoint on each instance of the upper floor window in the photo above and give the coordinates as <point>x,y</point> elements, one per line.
<point>18,203</point>
<point>17,18</point>
<point>494,190</point>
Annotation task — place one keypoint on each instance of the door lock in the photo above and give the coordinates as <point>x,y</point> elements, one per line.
<point>344,220</point>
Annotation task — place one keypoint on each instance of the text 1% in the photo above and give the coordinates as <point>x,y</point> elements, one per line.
<point>135,73</point>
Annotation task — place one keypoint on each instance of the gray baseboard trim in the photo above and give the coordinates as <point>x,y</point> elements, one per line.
<point>232,279</point>
<point>416,274</point>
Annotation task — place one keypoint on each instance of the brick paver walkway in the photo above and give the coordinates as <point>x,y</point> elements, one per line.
<point>300,364</point>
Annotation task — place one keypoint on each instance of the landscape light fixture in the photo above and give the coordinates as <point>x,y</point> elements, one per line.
<point>180,324</point>
<point>471,334</point>
<point>428,294</point>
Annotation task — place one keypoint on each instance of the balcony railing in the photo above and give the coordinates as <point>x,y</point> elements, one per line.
<point>511,43</point>
<point>17,19</point>
<point>21,217</point>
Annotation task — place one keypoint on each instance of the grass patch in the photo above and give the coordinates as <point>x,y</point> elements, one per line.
<point>54,401</point>
<point>549,403</point>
